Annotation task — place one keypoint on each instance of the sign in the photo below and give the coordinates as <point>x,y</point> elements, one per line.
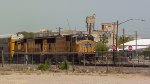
<point>130,48</point>
<point>114,47</point>
<point>87,45</point>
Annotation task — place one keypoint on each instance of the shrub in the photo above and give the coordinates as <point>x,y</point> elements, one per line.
<point>64,65</point>
<point>43,67</point>
<point>48,62</point>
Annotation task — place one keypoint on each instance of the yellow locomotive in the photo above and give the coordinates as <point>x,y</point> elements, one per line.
<point>7,45</point>
<point>53,44</point>
<point>38,49</point>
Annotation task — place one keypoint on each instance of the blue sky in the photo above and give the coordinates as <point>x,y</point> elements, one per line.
<point>32,15</point>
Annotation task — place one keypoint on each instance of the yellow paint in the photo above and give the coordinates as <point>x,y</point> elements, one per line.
<point>88,49</point>
<point>12,46</point>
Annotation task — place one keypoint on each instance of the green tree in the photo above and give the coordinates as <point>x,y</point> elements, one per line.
<point>126,39</point>
<point>102,44</point>
<point>27,34</point>
<point>101,47</point>
<point>104,39</point>
<point>146,53</point>
<point>147,49</point>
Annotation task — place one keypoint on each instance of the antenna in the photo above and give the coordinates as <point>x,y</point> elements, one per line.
<point>68,23</point>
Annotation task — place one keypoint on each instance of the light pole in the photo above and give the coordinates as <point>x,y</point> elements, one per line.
<point>123,39</point>
<point>136,35</point>
<point>117,26</point>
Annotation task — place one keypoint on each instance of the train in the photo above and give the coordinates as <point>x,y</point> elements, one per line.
<point>7,45</point>
<point>18,49</point>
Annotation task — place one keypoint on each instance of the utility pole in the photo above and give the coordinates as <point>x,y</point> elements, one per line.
<point>123,38</point>
<point>59,31</point>
<point>114,25</point>
<point>68,24</point>
<point>117,34</point>
<point>117,25</point>
<point>113,33</point>
<point>123,41</point>
<point>136,35</point>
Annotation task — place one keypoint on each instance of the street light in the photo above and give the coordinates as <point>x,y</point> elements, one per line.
<point>117,26</point>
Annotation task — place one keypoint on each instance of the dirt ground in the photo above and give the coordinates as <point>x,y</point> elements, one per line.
<point>63,78</point>
<point>82,75</point>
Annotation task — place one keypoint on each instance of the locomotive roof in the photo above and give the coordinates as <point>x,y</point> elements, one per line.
<point>6,36</point>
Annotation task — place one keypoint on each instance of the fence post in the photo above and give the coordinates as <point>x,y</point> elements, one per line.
<point>84,59</point>
<point>149,60</point>
<point>73,59</point>
<point>73,63</point>
<point>32,59</point>
<point>2,57</point>
<point>26,59</point>
<point>107,63</point>
<point>17,58</point>
<point>11,59</point>
<point>95,59</point>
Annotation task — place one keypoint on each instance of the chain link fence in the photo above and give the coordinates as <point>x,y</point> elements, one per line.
<point>127,58</point>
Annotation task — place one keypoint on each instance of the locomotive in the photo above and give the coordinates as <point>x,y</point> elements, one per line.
<point>7,45</point>
<point>55,47</point>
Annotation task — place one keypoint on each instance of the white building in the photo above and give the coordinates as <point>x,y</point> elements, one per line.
<point>139,44</point>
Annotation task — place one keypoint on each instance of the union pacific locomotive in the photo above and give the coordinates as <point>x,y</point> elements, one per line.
<point>56,48</point>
